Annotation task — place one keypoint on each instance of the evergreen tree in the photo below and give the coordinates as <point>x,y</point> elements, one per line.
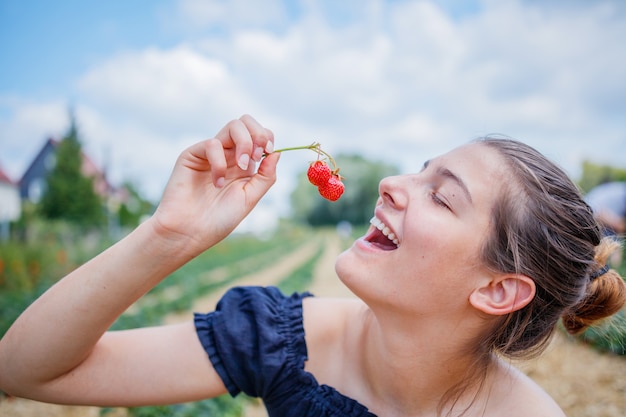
<point>70,195</point>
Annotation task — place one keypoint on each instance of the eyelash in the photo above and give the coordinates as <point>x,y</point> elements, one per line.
<point>438,200</point>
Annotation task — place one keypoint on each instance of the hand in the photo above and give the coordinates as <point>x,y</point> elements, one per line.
<point>215,184</point>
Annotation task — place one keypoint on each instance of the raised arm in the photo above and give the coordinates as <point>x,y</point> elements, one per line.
<point>58,351</point>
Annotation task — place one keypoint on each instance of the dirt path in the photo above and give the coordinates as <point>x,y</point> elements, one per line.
<point>583,381</point>
<point>325,280</point>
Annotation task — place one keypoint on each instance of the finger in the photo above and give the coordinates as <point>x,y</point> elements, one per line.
<point>217,160</point>
<point>263,180</point>
<point>235,135</point>
<point>262,138</point>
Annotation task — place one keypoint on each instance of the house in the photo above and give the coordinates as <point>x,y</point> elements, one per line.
<point>10,204</point>
<point>33,182</point>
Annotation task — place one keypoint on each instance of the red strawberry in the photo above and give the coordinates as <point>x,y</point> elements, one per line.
<point>333,189</point>
<point>318,173</point>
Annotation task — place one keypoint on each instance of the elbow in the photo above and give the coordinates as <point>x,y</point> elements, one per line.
<point>16,385</point>
<point>13,374</point>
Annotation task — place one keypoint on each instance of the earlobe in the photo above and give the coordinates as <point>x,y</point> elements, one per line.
<point>504,295</point>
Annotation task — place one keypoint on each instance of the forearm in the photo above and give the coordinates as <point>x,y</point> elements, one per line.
<point>50,347</point>
<point>59,330</point>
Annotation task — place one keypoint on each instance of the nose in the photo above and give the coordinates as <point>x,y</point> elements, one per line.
<point>393,191</point>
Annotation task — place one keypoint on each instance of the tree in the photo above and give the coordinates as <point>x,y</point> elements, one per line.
<point>134,207</point>
<point>356,205</point>
<point>595,174</point>
<point>69,195</point>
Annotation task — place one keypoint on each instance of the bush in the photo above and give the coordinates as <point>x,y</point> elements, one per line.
<point>49,251</point>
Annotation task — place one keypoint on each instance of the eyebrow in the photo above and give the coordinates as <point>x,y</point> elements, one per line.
<point>446,173</point>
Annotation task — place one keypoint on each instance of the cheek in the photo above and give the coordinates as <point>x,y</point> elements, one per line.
<point>429,239</point>
<point>443,249</point>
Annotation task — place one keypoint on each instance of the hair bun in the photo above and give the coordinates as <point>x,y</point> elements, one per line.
<point>599,272</point>
<point>606,295</point>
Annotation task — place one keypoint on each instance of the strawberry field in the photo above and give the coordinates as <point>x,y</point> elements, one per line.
<point>586,381</point>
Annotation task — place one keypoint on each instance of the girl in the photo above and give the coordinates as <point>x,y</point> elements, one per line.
<point>470,261</point>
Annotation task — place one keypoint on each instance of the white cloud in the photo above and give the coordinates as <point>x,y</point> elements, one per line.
<point>174,90</point>
<point>25,128</point>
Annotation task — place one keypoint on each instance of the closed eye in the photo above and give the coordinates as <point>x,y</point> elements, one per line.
<point>439,200</point>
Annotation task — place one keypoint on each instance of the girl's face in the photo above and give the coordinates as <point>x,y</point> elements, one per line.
<point>425,260</point>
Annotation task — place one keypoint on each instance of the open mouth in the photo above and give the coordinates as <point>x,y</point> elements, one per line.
<point>381,236</point>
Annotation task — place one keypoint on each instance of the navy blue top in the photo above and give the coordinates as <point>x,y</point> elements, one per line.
<point>255,341</point>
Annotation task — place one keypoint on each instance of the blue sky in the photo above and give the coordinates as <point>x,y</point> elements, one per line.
<point>49,44</point>
<point>400,80</point>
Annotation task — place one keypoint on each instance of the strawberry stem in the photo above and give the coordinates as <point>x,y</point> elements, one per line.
<point>315,147</point>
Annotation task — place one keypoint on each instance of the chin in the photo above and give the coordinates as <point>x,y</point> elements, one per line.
<point>348,268</point>
<point>341,263</point>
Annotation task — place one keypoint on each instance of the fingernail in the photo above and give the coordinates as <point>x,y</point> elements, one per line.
<point>243,161</point>
<point>257,154</point>
<point>220,182</point>
<point>269,147</point>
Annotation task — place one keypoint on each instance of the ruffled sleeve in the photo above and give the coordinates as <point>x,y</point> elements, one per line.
<point>254,340</point>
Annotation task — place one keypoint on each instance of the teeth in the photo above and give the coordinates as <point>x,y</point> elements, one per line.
<point>377,223</point>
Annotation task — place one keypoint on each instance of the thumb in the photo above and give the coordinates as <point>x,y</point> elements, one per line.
<point>264,178</point>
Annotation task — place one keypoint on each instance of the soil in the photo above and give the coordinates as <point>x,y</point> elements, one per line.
<point>584,382</point>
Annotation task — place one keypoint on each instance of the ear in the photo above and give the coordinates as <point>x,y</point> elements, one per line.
<point>504,294</point>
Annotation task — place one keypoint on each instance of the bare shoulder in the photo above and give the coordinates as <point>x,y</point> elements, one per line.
<point>326,318</point>
<point>520,396</point>
<point>329,325</point>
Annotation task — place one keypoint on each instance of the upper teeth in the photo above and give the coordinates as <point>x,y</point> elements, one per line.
<point>377,223</point>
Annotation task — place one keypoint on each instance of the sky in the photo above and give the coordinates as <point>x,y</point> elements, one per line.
<point>398,81</point>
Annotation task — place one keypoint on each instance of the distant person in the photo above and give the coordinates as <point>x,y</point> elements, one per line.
<point>608,202</point>
<point>468,263</point>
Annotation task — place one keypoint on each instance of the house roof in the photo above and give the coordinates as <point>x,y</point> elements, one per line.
<point>5,178</point>
<point>89,168</point>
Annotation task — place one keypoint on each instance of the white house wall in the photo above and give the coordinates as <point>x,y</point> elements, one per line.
<point>10,205</point>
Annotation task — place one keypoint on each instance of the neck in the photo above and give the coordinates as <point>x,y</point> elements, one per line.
<point>410,369</point>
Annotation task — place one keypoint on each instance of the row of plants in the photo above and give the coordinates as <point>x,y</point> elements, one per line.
<point>200,277</point>
<point>233,252</point>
